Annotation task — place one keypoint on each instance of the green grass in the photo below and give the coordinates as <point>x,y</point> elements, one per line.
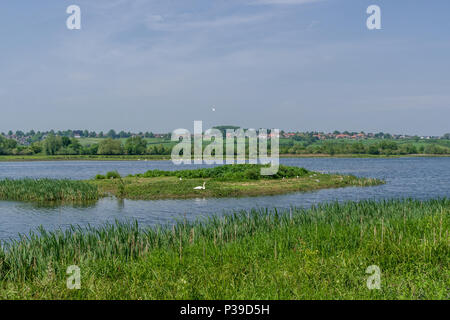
<point>41,190</point>
<point>319,253</point>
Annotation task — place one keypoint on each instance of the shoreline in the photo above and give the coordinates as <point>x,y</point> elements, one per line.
<point>10,158</point>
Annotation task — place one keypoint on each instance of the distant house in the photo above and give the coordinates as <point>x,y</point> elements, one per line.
<point>342,136</point>
<point>289,134</point>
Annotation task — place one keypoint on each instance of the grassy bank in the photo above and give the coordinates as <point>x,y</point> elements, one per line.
<point>224,181</point>
<point>41,190</point>
<point>319,253</point>
<point>19,158</point>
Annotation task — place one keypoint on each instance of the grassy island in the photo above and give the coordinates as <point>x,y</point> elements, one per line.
<point>317,253</point>
<point>223,181</point>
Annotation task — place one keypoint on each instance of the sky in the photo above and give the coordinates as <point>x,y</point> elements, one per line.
<point>158,65</point>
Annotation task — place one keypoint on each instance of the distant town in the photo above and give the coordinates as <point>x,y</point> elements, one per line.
<point>27,138</point>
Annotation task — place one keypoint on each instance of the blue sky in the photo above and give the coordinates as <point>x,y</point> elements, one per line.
<point>143,65</point>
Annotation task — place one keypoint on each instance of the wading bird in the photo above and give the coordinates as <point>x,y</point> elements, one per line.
<point>200,187</point>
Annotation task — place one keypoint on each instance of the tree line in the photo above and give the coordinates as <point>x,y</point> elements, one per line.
<point>384,147</point>
<point>137,145</point>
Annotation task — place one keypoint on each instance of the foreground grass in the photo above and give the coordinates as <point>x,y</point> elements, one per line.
<point>319,253</point>
<point>41,190</point>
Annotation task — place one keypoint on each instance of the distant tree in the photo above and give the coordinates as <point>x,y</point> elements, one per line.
<point>373,149</point>
<point>110,147</point>
<point>36,147</point>
<point>52,144</point>
<point>135,145</point>
<point>446,136</point>
<point>65,141</point>
<point>75,145</point>
<point>111,134</point>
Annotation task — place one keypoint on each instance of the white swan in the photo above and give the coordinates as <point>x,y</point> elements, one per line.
<point>200,187</point>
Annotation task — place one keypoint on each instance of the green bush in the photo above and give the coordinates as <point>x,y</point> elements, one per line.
<point>113,175</point>
<point>228,173</point>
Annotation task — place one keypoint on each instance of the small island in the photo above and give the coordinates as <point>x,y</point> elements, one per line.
<point>221,181</point>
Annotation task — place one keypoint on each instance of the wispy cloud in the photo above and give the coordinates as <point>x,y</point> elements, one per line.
<point>158,22</point>
<point>283,2</point>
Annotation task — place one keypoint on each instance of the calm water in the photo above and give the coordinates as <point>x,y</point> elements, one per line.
<point>421,178</point>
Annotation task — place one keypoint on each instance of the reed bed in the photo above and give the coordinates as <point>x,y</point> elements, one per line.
<point>45,190</point>
<point>316,253</point>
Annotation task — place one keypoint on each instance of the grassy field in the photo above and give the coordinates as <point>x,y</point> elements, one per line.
<point>318,253</point>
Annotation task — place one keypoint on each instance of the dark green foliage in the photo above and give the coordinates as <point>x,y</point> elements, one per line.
<point>135,145</point>
<point>113,175</point>
<point>229,173</point>
<point>110,147</point>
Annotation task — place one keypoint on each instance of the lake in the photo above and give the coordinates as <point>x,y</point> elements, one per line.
<point>420,178</point>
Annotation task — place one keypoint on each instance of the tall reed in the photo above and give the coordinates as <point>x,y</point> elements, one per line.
<point>410,228</point>
<point>41,190</point>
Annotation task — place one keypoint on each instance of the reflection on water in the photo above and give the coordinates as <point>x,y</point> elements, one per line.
<point>421,178</point>
<point>62,204</point>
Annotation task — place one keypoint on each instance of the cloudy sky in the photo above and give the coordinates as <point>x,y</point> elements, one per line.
<point>158,65</point>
